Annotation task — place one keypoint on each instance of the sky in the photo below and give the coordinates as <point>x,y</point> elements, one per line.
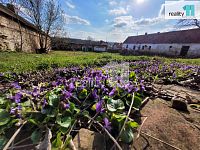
<point>114,20</point>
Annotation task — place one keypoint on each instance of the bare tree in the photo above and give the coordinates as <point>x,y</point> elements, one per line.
<point>89,38</point>
<point>189,23</point>
<point>46,15</point>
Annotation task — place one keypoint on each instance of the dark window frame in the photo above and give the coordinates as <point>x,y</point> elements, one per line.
<point>149,47</point>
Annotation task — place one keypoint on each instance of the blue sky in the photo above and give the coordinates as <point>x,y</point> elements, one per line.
<point>114,20</point>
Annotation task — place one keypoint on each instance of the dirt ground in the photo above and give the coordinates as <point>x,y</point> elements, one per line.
<point>179,129</point>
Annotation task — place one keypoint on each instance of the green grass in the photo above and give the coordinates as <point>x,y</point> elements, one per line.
<point>23,62</point>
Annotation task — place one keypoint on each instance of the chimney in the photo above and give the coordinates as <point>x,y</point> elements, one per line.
<point>11,7</point>
<point>158,32</point>
<point>145,33</point>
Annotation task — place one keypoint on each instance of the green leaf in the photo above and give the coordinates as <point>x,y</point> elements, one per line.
<point>127,135</point>
<point>132,76</point>
<point>72,107</point>
<point>119,117</point>
<point>137,102</point>
<point>36,136</point>
<point>33,121</point>
<point>2,100</point>
<point>49,111</point>
<point>4,117</point>
<point>26,103</point>
<point>64,122</point>
<point>82,94</point>
<point>57,143</point>
<point>66,143</point>
<point>64,130</point>
<point>53,100</point>
<point>132,124</point>
<point>85,113</point>
<point>3,141</point>
<point>114,105</point>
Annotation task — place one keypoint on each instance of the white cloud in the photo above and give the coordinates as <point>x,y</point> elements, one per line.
<point>118,11</point>
<point>70,5</point>
<point>112,3</point>
<point>129,21</point>
<point>122,21</point>
<point>75,20</point>
<point>148,21</point>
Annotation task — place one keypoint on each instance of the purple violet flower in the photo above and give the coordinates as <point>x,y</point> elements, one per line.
<point>66,95</point>
<point>54,84</point>
<point>17,97</point>
<point>113,92</point>
<point>16,85</point>
<point>107,124</point>
<point>35,92</point>
<point>71,87</point>
<point>67,106</point>
<point>136,89</point>
<point>94,94</point>
<point>12,111</point>
<point>44,103</point>
<point>174,75</point>
<point>99,106</point>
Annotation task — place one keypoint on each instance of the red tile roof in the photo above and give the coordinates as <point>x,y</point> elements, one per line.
<point>183,36</point>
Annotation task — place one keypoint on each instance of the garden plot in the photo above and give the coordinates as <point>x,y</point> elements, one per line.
<point>51,107</point>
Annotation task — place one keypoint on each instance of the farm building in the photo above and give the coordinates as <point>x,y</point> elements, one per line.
<point>184,43</point>
<point>16,33</point>
<point>114,47</point>
<point>78,44</point>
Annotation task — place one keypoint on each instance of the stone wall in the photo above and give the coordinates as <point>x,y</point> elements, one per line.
<point>16,36</point>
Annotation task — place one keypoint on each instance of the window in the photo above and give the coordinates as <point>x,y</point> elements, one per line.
<point>138,47</point>
<point>170,47</point>
<point>142,47</point>
<point>149,47</point>
<point>127,46</point>
<point>134,47</point>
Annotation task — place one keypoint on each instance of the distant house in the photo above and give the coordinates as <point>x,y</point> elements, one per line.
<point>177,43</point>
<point>114,46</point>
<point>100,46</point>
<point>78,44</point>
<point>16,33</point>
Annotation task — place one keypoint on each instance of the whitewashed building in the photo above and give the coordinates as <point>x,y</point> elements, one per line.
<point>184,43</point>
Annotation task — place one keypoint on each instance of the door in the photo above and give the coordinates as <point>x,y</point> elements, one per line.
<point>184,50</point>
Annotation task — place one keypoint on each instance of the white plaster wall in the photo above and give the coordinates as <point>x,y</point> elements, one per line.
<point>165,49</point>
<point>99,49</point>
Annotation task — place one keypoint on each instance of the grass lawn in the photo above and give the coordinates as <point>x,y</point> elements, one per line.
<point>23,62</point>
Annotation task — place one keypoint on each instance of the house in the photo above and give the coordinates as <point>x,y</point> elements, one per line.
<point>184,43</point>
<point>114,46</point>
<point>59,43</point>
<point>100,46</point>
<point>16,33</point>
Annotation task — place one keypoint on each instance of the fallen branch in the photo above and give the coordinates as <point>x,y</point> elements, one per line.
<point>160,140</point>
<point>144,102</point>
<point>141,127</point>
<point>13,137</point>
<point>22,141</point>
<point>71,145</point>
<point>111,137</point>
